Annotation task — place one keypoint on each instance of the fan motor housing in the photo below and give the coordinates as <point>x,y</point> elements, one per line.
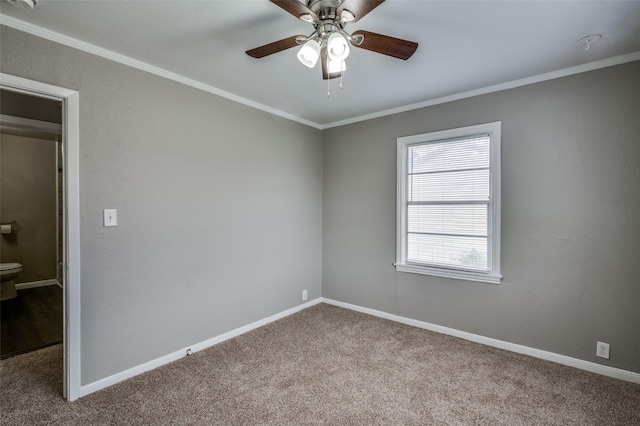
<point>325,9</point>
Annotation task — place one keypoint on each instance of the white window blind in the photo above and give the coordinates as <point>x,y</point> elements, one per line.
<point>447,198</point>
<point>447,203</point>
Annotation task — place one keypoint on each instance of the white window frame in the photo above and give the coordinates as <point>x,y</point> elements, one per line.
<point>493,275</point>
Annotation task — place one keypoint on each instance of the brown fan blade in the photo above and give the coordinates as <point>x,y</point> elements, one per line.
<point>325,72</point>
<point>359,8</point>
<point>390,46</point>
<point>275,47</point>
<point>297,9</point>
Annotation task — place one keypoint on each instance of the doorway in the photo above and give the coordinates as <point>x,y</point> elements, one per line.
<point>70,212</point>
<point>31,189</point>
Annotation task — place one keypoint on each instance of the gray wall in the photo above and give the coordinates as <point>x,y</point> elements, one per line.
<point>28,197</point>
<point>219,207</point>
<point>570,218</point>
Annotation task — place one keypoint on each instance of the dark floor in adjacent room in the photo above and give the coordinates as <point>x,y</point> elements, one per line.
<point>33,320</point>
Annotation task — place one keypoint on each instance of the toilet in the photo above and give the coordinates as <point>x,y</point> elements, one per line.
<point>8,274</point>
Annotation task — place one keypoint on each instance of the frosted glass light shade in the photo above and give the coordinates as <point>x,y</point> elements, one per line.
<point>309,53</point>
<point>336,66</point>
<point>337,47</point>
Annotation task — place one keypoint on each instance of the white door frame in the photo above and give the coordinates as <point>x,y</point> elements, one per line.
<point>71,156</point>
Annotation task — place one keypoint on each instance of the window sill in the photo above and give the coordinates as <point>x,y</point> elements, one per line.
<point>449,273</point>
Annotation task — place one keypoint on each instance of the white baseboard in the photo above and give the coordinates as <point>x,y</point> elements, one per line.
<point>158,362</point>
<point>34,284</point>
<point>604,370</point>
<point>537,353</point>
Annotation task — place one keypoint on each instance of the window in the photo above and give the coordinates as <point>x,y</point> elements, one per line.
<point>448,217</point>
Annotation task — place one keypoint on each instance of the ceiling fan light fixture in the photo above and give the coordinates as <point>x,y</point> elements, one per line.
<point>309,53</point>
<point>329,41</point>
<point>337,47</point>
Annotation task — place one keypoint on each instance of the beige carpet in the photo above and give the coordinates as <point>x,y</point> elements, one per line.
<point>327,365</point>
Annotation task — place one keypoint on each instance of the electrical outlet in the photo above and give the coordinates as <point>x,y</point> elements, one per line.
<point>304,295</point>
<point>602,350</point>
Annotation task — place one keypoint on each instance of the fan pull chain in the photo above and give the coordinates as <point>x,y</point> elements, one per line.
<point>329,80</point>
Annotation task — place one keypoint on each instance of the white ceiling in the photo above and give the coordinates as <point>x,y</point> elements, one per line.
<point>464,46</point>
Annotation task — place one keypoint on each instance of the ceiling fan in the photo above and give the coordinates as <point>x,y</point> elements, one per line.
<point>328,42</point>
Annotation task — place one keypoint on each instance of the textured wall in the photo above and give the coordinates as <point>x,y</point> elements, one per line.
<point>28,197</point>
<point>570,209</point>
<point>219,207</point>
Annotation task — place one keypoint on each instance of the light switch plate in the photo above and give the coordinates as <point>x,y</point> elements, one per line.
<point>110,217</point>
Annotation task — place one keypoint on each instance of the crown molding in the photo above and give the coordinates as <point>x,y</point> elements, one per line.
<point>143,66</point>
<point>603,63</point>
<point>126,60</point>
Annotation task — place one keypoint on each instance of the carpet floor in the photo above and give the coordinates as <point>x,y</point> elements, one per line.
<point>327,365</point>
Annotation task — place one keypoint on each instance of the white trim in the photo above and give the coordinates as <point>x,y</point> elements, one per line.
<point>616,373</point>
<point>134,63</point>
<point>158,362</point>
<point>71,271</point>
<point>71,137</point>
<point>445,273</point>
<point>105,53</point>
<point>35,284</point>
